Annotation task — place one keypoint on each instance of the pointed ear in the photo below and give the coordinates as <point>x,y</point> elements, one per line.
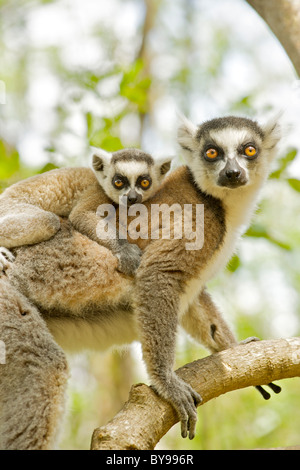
<point>101,159</point>
<point>164,165</point>
<point>186,134</point>
<point>272,130</point>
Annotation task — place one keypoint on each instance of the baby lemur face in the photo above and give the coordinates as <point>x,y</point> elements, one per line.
<point>130,174</point>
<point>226,153</point>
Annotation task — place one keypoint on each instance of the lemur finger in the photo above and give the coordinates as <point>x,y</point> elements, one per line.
<point>184,427</point>
<point>194,399</point>
<point>249,340</point>
<point>274,387</point>
<point>197,398</point>
<point>192,426</point>
<point>7,254</point>
<point>6,258</point>
<point>263,392</point>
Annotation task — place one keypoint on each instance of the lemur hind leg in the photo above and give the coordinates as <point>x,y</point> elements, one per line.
<point>33,375</point>
<point>25,224</point>
<point>204,322</point>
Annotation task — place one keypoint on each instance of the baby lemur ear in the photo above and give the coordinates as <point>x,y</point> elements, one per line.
<point>101,159</point>
<point>186,134</point>
<point>161,167</point>
<point>165,166</point>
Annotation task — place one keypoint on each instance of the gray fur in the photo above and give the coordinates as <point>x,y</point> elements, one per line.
<point>132,164</point>
<point>30,209</point>
<point>85,301</point>
<point>229,122</point>
<point>32,380</point>
<point>131,154</point>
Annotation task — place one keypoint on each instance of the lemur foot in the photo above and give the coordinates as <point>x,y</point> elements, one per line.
<point>6,259</point>
<point>262,391</point>
<point>184,400</point>
<point>129,259</point>
<point>249,340</point>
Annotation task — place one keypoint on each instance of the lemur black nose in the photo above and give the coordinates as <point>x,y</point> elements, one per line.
<point>132,199</point>
<point>233,174</point>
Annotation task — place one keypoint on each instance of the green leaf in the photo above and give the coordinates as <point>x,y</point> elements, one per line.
<point>89,123</point>
<point>9,160</point>
<point>234,264</point>
<point>258,231</point>
<point>294,183</point>
<point>47,167</point>
<point>105,141</point>
<point>283,163</point>
<point>134,86</point>
<point>111,143</point>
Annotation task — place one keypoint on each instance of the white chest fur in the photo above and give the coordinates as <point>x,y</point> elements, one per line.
<point>216,264</point>
<point>238,206</point>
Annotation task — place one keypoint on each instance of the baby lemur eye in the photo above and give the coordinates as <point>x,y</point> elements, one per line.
<point>145,183</point>
<point>250,151</point>
<point>211,153</point>
<point>119,184</point>
<point>120,181</point>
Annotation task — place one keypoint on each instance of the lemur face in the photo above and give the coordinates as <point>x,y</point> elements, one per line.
<point>131,179</point>
<point>226,153</point>
<point>129,175</point>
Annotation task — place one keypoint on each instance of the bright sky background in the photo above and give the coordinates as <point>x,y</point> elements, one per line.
<point>68,24</point>
<point>256,62</point>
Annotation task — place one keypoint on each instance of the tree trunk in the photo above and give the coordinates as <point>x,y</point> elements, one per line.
<point>283,17</point>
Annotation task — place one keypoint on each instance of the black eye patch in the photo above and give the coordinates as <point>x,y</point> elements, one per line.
<point>249,149</point>
<point>207,153</point>
<point>120,181</point>
<point>144,181</point>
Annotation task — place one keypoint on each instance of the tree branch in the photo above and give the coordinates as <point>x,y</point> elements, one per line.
<point>151,7</point>
<point>145,418</point>
<point>283,17</point>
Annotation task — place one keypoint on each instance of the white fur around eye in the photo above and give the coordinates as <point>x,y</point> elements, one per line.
<point>131,169</point>
<point>231,139</point>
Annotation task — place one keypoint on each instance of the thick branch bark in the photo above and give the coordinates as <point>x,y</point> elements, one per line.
<point>283,17</point>
<point>145,417</point>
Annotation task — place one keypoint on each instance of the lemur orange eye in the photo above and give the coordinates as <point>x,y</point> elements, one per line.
<point>211,153</point>
<point>118,183</point>
<point>250,151</point>
<point>145,183</point>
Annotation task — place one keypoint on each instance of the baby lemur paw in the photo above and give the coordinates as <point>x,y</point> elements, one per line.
<point>129,258</point>
<point>6,259</point>
<point>184,400</point>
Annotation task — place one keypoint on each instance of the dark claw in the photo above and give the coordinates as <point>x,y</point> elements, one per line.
<point>275,388</point>
<point>265,394</point>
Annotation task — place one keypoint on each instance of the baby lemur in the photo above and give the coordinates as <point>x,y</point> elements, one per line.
<point>86,303</point>
<point>30,209</point>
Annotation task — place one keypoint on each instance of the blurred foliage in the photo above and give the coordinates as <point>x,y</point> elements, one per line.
<point>76,76</point>
<point>9,161</point>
